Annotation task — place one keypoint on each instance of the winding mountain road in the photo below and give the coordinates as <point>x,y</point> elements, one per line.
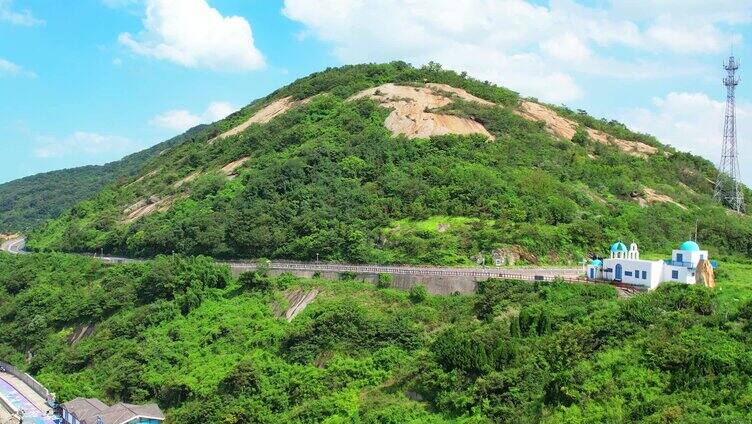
<point>477,273</point>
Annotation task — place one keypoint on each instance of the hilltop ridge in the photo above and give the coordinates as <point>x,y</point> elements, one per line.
<point>30,201</point>
<point>394,164</point>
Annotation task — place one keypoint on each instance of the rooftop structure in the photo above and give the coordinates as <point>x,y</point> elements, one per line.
<point>94,411</point>
<point>625,266</point>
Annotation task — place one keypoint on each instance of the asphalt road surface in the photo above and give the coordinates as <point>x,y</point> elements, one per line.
<point>520,273</point>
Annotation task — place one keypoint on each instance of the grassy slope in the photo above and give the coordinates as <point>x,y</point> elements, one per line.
<point>328,179</point>
<point>27,202</point>
<point>180,332</point>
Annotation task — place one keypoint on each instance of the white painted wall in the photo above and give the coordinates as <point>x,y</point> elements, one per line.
<point>632,271</point>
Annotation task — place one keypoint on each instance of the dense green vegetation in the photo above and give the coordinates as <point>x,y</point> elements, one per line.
<point>328,179</point>
<point>206,347</point>
<point>27,202</point>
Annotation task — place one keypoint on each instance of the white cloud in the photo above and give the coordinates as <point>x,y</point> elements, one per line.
<point>24,17</point>
<point>195,35</point>
<point>537,50</point>
<point>83,143</point>
<point>181,119</point>
<point>9,68</point>
<point>694,122</point>
<point>567,47</point>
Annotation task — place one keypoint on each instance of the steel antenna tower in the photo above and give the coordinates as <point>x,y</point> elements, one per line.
<point>728,187</point>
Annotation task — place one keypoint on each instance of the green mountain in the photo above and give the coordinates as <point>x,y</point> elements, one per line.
<point>394,164</point>
<point>27,202</point>
<point>211,349</point>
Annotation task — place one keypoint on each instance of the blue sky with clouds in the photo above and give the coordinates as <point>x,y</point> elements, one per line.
<point>88,81</point>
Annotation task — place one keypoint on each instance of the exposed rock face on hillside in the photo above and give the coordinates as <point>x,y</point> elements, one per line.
<point>231,167</point>
<point>411,115</point>
<point>565,128</point>
<point>266,114</point>
<point>652,197</point>
<point>148,206</point>
<point>297,300</point>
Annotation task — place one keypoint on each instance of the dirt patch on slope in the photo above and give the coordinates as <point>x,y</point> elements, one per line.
<point>297,301</point>
<point>264,115</point>
<point>462,94</point>
<point>652,197</point>
<point>411,106</point>
<point>148,206</point>
<point>187,179</point>
<point>144,177</point>
<point>81,332</point>
<point>7,237</point>
<point>231,167</point>
<point>565,128</point>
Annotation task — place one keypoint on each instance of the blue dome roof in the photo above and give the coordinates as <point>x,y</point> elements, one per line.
<point>596,262</point>
<point>618,247</point>
<point>689,246</point>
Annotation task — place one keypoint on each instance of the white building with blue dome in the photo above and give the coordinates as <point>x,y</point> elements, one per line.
<point>625,266</point>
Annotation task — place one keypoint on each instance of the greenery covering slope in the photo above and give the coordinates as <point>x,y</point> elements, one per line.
<point>27,202</point>
<point>328,180</point>
<point>184,333</point>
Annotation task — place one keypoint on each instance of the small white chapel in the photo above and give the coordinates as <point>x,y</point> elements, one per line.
<point>625,266</point>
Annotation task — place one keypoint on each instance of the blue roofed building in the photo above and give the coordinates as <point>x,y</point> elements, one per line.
<point>625,266</point>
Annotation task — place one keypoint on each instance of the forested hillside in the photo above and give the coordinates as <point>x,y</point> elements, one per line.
<point>341,165</point>
<point>208,348</point>
<point>30,201</point>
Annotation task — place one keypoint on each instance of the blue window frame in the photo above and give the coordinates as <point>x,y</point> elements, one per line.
<point>679,257</point>
<point>628,273</point>
<point>637,273</point>
<point>644,275</point>
<point>675,275</point>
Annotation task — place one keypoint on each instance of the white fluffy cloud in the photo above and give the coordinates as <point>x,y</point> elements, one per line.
<point>537,50</point>
<point>694,122</point>
<point>83,143</point>
<point>23,17</point>
<point>181,119</point>
<point>193,34</point>
<point>9,68</point>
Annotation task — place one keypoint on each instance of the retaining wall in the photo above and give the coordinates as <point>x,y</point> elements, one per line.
<point>462,283</point>
<point>29,381</point>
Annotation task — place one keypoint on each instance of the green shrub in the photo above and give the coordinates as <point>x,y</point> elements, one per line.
<point>418,294</point>
<point>385,281</point>
<point>253,280</point>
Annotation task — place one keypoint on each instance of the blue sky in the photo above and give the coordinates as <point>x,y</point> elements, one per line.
<point>88,81</point>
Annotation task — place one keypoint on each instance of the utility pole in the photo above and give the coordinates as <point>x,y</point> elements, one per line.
<point>728,186</point>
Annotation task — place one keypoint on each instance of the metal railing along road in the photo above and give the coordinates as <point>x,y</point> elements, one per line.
<point>410,270</point>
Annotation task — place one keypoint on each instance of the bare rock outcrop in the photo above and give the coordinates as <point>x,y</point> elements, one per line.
<point>264,115</point>
<point>297,301</point>
<point>651,197</point>
<point>148,206</point>
<point>411,107</point>
<point>565,128</point>
<point>230,168</point>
